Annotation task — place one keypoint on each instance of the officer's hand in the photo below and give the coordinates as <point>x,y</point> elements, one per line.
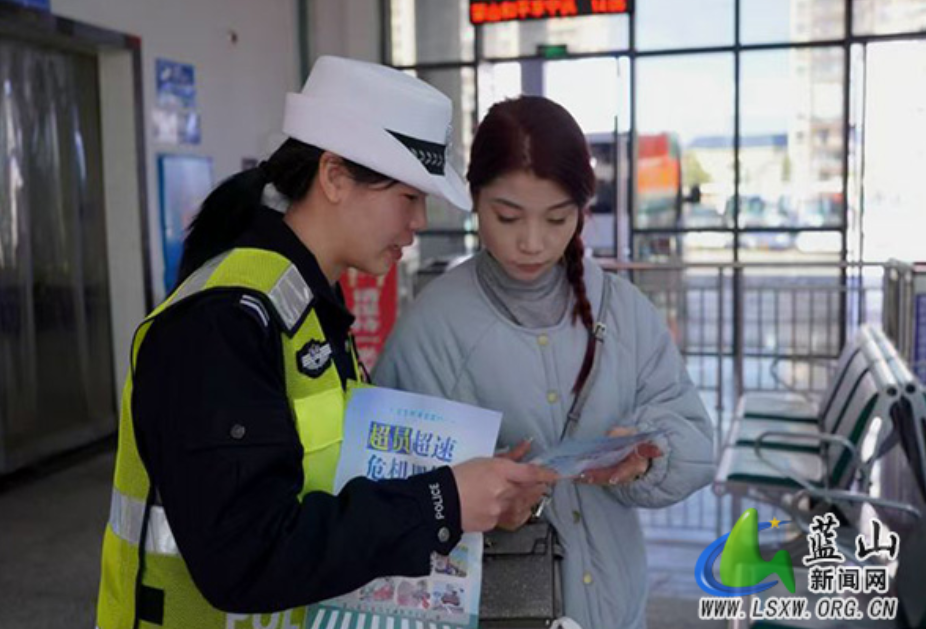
<point>496,489</point>
<point>522,507</point>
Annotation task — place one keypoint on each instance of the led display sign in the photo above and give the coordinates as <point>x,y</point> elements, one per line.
<point>492,11</point>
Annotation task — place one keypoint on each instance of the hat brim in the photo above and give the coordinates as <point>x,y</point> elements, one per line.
<point>346,132</point>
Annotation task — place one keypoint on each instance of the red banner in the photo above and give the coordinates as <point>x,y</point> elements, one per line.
<point>374,302</point>
<point>490,11</point>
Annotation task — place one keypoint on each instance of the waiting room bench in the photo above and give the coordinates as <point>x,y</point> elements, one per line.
<point>768,456</point>
<point>907,571</point>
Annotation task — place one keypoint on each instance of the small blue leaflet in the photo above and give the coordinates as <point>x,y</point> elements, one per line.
<point>574,456</point>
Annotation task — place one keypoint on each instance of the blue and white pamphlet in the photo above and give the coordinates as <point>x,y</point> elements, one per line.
<point>574,456</point>
<point>394,434</point>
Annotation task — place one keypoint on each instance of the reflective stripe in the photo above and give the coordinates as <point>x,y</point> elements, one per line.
<point>125,519</point>
<point>198,279</point>
<point>291,296</point>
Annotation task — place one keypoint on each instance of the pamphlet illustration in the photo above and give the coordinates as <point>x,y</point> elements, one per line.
<point>394,434</point>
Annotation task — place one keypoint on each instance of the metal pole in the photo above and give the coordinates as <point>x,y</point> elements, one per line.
<point>632,140</point>
<point>302,20</point>
<point>720,359</point>
<point>718,502</point>
<point>739,320</point>
<point>846,134</point>
<point>616,157</point>
<point>738,310</point>
<point>385,29</point>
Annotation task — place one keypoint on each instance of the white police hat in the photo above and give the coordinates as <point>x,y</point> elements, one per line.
<point>380,118</point>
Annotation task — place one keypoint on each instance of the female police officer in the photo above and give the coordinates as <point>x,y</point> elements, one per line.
<point>232,413</point>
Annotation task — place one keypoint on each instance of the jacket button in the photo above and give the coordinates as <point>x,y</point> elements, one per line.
<point>443,535</point>
<point>552,397</point>
<point>587,578</point>
<point>237,431</point>
<point>576,517</point>
<point>543,340</point>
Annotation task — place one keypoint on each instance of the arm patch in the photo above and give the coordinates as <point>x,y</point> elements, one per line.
<point>253,306</point>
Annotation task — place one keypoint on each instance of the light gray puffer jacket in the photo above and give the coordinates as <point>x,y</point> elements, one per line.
<point>453,343</point>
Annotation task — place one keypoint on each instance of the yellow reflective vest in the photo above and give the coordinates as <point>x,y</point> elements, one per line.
<point>132,577</point>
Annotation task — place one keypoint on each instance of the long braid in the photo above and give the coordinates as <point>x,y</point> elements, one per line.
<point>575,273</point>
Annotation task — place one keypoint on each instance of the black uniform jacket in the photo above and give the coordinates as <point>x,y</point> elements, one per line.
<point>231,495</point>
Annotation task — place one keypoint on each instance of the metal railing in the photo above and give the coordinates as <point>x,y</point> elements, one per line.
<point>763,327</point>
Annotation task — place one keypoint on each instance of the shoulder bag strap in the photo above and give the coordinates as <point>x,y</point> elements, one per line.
<point>575,411</point>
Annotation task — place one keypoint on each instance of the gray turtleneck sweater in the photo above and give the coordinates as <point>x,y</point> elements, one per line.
<point>539,303</point>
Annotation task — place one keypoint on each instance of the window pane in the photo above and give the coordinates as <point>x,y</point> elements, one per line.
<point>888,16</point>
<point>799,247</point>
<point>684,23</point>
<point>894,218</point>
<point>497,82</point>
<point>588,88</point>
<point>791,142</point>
<point>685,140</point>
<point>599,116</point>
<point>764,21</point>
<point>690,247</point>
<point>595,33</point>
<point>424,31</point>
<point>593,90</point>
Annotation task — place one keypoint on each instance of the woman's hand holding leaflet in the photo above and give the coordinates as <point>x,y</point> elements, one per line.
<point>630,469</point>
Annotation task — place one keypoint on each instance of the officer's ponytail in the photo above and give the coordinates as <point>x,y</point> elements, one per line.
<point>224,215</point>
<point>230,208</point>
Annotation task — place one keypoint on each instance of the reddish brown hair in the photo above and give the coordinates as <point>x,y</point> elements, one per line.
<point>535,134</point>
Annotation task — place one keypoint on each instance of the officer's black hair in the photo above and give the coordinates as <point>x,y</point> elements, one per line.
<point>229,209</point>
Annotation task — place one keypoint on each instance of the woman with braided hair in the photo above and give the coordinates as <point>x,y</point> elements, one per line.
<point>521,327</point>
